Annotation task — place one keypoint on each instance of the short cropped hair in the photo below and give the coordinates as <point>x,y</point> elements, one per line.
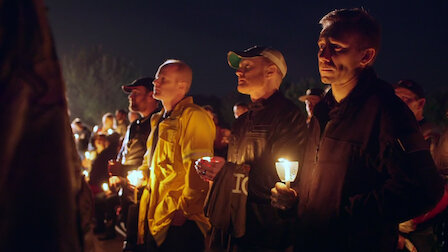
<point>183,68</point>
<point>356,21</point>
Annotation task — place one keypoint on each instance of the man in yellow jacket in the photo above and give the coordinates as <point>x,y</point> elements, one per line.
<point>171,214</point>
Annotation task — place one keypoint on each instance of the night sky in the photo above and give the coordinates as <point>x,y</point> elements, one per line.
<point>414,44</point>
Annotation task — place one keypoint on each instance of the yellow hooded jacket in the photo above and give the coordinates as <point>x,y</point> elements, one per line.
<point>186,135</point>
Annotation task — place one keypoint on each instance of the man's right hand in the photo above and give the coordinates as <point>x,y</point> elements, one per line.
<point>208,168</point>
<point>283,197</point>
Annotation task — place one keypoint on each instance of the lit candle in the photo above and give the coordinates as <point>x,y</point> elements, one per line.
<point>135,177</point>
<point>105,187</point>
<point>287,170</point>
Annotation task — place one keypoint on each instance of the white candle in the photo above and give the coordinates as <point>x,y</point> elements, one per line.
<point>105,187</point>
<point>135,177</point>
<point>286,170</point>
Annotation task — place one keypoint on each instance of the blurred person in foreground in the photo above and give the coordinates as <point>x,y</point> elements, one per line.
<point>239,201</point>
<point>370,167</point>
<point>171,216</point>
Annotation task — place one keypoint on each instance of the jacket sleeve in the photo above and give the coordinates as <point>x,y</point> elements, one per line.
<point>290,137</point>
<point>196,142</point>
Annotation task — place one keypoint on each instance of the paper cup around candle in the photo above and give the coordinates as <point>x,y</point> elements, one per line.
<point>287,170</point>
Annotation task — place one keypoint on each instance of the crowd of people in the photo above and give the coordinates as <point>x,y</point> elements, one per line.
<point>371,173</point>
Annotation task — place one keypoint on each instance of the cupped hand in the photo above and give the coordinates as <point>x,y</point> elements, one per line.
<point>282,197</point>
<point>208,168</point>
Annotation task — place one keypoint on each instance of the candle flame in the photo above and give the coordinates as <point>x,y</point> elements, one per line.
<point>286,170</point>
<point>134,177</point>
<point>105,187</point>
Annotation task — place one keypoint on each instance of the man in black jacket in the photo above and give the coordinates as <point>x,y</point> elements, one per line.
<point>273,128</point>
<point>368,168</point>
<point>133,149</point>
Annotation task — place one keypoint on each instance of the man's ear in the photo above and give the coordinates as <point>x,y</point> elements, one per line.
<point>182,85</point>
<point>421,103</point>
<point>368,57</point>
<point>271,70</point>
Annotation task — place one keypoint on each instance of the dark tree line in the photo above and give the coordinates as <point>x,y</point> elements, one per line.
<point>93,79</point>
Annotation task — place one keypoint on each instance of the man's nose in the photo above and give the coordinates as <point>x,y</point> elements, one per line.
<point>324,54</point>
<point>239,73</point>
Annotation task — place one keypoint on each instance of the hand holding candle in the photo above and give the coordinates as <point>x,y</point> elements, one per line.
<point>135,177</point>
<point>287,170</point>
<point>209,167</point>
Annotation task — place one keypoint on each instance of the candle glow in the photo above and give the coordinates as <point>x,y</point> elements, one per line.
<point>105,187</point>
<point>286,170</point>
<point>134,177</point>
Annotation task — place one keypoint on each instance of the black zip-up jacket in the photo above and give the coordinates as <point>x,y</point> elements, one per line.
<point>271,129</point>
<point>367,168</point>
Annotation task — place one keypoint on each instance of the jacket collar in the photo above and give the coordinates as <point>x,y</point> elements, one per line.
<point>363,88</point>
<point>179,108</point>
<point>262,103</point>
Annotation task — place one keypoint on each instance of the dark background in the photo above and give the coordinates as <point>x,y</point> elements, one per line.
<point>414,44</point>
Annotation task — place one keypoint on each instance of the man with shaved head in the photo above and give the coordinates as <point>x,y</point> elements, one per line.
<point>171,214</point>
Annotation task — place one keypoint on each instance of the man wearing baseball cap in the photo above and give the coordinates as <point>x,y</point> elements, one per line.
<point>239,207</point>
<point>133,149</point>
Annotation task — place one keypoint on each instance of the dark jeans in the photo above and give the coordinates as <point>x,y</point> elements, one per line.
<point>187,237</point>
<point>132,226</point>
<point>105,212</point>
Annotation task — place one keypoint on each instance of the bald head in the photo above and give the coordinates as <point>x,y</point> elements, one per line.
<point>182,72</point>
